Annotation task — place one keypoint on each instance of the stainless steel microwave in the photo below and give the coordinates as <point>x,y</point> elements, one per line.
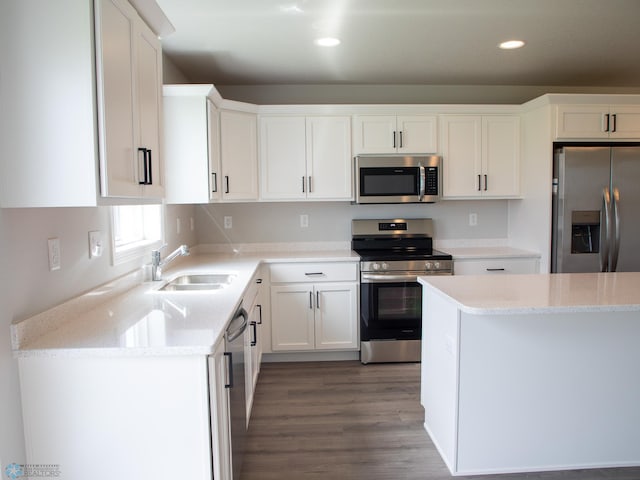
<point>398,178</point>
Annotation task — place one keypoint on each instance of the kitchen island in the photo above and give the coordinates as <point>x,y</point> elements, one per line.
<point>532,372</point>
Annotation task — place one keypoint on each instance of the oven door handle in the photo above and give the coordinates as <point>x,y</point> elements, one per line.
<point>383,277</point>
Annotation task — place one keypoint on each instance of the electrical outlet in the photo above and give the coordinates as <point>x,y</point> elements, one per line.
<point>178,226</point>
<point>95,244</point>
<point>54,253</point>
<point>473,219</point>
<point>304,220</point>
<point>228,222</point>
<point>192,224</point>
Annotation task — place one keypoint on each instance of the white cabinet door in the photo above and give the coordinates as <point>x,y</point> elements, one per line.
<point>625,121</point>
<point>329,164</point>
<point>501,156</point>
<point>305,158</point>
<point>417,134</point>
<point>461,145</point>
<point>129,76</point>
<point>214,175</point>
<point>119,159</point>
<point>335,310</point>
<point>292,319</point>
<point>283,172</point>
<point>220,418</point>
<point>238,155</point>
<point>395,134</point>
<point>481,156</point>
<point>374,134</point>
<point>149,95</point>
<point>597,121</point>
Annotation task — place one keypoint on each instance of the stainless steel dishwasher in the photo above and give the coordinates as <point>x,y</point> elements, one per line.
<point>234,351</point>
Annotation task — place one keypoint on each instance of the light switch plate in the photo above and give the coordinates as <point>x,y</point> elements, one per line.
<point>304,220</point>
<point>228,222</point>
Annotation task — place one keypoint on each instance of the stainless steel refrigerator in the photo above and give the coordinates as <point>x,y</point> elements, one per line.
<point>596,209</point>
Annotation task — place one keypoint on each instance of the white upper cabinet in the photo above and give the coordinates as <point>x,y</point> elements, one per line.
<point>411,134</point>
<point>305,157</point>
<point>129,66</point>
<point>598,121</point>
<point>79,140</point>
<point>481,156</point>
<point>191,144</point>
<point>238,155</point>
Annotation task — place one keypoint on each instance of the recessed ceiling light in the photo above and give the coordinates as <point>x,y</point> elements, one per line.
<point>327,42</point>
<point>511,44</point>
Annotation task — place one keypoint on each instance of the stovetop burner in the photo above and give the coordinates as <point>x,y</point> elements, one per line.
<point>396,239</point>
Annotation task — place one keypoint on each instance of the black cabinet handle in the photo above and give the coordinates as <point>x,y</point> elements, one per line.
<point>149,167</point>
<point>303,184</point>
<point>614,117</point>
<point>606,124</point>
<point>229,383</point>
<point>254,326</point>
<point>226,179</point>
<point>401,145</point>
<point>259,314</point>
<point>215,182</point>
<point>310,185</point>
<point>310,300</point>
<point>479,183</point>
<point>495,269</point>
<point>394,139</point>
<point>146,164</point>
<point>485,183</point>
<point>317,300</point>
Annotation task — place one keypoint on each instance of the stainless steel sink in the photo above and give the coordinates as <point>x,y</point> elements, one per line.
<point>208,281</point>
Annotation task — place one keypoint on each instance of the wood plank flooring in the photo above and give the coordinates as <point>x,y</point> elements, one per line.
<point>348,421</point>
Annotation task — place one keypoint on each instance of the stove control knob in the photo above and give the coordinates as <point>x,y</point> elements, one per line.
<point>428,266</point>
<point>376,266</point>
<point>436,265</point>
<point>385,265</point>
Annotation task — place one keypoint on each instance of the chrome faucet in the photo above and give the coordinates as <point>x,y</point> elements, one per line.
<point>157,263</point>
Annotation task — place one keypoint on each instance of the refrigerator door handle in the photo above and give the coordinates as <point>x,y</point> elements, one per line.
<point>615,202</point>
<point>604,232</point>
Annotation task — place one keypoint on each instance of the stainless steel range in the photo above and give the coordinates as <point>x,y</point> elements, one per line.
<point>393,254</point>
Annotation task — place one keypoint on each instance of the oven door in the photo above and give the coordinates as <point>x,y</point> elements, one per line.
<point>390,307</point>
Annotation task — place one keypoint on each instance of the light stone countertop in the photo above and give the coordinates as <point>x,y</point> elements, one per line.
<point>539,293</point>
<point>132,317</point>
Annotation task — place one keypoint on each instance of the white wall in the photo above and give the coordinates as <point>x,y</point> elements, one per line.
<point>331,222</point>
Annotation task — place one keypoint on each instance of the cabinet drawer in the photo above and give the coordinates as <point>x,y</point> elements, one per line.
<point>314,272</point>
<point>495,266</point>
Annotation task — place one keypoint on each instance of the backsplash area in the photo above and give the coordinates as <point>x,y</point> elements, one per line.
<point>331,221</point>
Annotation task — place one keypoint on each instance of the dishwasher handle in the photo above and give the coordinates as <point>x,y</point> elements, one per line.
<point>238,325</point>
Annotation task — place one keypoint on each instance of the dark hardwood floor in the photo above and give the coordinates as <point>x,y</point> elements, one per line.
<point>348,421</point>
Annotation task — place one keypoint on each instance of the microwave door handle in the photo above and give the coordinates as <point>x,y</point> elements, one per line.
<point>422,183</point>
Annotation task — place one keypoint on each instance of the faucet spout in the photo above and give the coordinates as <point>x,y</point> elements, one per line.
<point>157,263</point>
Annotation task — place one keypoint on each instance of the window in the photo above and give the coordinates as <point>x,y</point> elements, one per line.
<point>136,230</point>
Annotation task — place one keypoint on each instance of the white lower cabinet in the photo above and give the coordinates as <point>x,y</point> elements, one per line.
<point>489,266</point>
<point>128,418</point>
<point>253,339</point>
<point>314,307</point>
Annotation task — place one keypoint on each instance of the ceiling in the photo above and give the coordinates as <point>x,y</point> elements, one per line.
<point>422,42</point>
